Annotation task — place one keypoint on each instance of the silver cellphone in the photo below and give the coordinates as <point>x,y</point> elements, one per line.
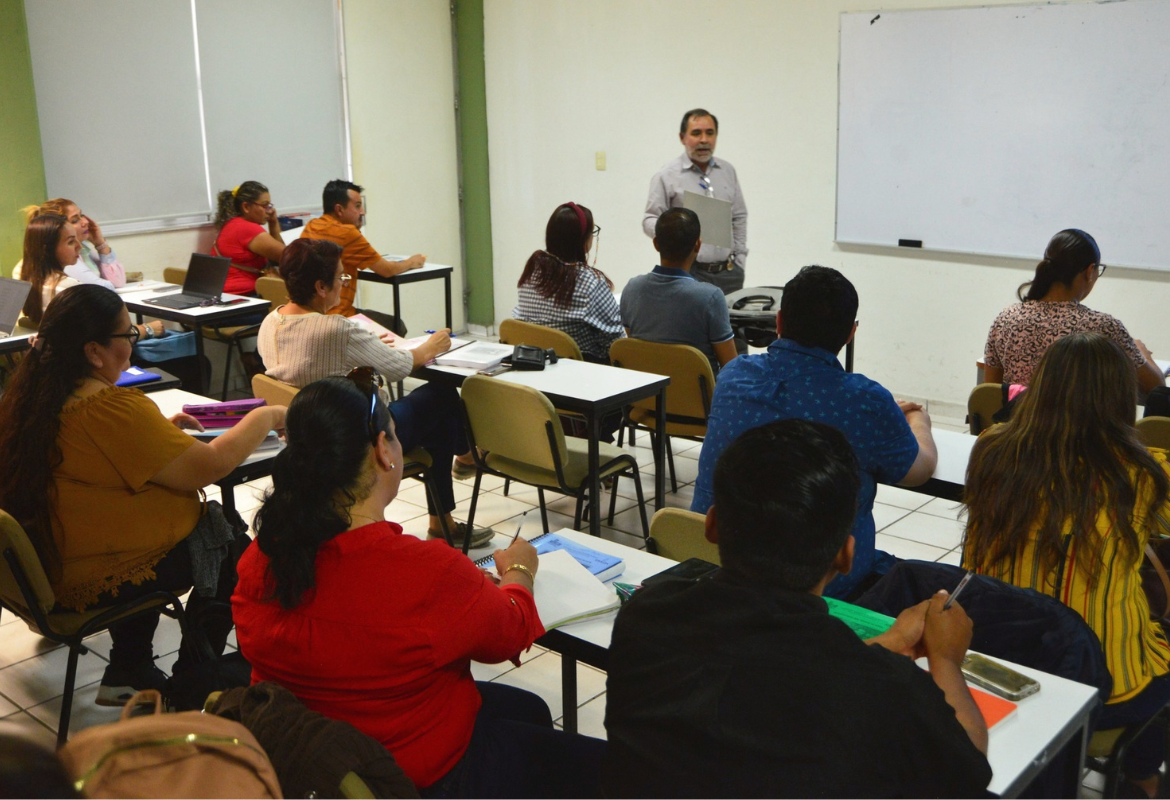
<point>998,679</point>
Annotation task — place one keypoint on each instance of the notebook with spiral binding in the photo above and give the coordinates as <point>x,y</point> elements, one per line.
<point>602,565</point>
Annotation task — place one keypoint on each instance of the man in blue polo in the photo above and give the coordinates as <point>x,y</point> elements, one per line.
<point>668,305</point>
<point>800,377</point>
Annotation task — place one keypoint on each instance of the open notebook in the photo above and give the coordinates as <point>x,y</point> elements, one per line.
<point>567,592</point>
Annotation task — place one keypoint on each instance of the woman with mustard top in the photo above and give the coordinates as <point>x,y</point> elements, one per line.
<point>1063,500</point>
<point>108,489</point>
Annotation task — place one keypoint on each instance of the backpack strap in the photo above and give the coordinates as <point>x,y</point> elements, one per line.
<point>240,267</point>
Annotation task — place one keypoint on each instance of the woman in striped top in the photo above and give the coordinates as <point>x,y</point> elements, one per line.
<point>1063,499</point>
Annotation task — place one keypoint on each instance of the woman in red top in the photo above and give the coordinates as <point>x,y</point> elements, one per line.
<point>377,628</point>
<point>240,217</point>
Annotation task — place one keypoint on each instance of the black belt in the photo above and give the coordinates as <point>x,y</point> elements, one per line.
<point>713,266</point>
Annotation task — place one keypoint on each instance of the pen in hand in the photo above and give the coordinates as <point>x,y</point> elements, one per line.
<point>958,589</point>
<point>518,527</point>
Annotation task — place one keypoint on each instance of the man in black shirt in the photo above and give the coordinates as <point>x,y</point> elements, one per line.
<point>742,685</point>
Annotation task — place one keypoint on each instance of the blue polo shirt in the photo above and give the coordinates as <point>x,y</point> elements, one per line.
<point>791,381</point>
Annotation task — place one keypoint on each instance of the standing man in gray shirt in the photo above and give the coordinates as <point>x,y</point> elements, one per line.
<point>697,170</point>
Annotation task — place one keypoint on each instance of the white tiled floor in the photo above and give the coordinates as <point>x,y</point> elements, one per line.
<point>32,670</point>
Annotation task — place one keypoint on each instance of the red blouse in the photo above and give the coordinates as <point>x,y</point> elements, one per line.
<point>385,640</point>
<point>232,242</point>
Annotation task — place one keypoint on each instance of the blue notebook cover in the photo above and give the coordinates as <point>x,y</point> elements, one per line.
<point>600,564</point>
<point>135,376</point>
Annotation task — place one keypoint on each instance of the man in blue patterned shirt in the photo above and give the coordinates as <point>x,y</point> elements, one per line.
<point>800,377</point>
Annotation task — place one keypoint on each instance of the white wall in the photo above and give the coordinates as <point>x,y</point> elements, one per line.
<point>566,79</point>
<point>401,94</point>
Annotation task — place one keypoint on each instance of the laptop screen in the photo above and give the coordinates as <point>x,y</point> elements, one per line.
<point>13,293</point>
<point>206,275</point>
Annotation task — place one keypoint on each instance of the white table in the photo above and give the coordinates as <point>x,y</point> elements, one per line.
<point>1018,748</point>
<point>197,317</point>
<point>950,474</point>
<point>980,366</point>
<point>257,465</point>
<point>593,390</point>
<point>427,272</point>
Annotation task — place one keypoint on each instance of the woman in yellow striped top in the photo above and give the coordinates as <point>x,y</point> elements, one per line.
<point>1063,499</point>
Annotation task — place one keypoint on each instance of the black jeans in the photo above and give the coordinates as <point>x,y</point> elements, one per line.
<point>516,752</point>
<point>133,640</point>
<point>430,417</point>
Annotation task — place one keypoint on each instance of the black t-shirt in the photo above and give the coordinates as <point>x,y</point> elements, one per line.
<point>724,689</point>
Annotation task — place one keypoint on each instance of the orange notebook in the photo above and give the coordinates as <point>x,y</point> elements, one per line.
<point>994,709</point>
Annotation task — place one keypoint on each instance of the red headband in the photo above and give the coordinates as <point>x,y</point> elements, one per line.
<point>580,216</point>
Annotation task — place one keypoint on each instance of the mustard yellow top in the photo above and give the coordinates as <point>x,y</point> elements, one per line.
<point>110,523</point>
<point>1115,606</point>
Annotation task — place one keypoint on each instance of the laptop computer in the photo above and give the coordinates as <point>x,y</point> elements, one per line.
<point>13,293</point>
<point>203,285</point>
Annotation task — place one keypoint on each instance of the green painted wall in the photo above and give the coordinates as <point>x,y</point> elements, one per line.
<point>22,166</point>
<point>473,144</point>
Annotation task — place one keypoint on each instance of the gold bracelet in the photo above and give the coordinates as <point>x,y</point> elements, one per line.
<point>523,569</point>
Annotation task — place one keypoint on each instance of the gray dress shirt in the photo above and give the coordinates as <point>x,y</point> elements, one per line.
<point>681,175</point>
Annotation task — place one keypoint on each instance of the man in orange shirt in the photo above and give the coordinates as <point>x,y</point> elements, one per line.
<point>344,214</point>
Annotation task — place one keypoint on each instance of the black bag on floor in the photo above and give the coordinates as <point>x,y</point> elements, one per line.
<point>188,690</point>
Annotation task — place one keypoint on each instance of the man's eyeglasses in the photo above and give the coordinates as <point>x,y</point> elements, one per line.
<point>132,335</point>
<point>345,278</point>
<point>369,380</point>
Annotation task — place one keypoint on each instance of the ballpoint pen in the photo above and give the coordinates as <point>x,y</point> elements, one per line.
<point>955,594</point>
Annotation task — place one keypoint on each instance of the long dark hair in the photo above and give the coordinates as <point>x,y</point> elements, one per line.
<point>40,259</point>
<point>552,272</point>
<point>316,479</point>
<point>230,202</point>
<point>1068,254</point>
<point>1069,453</point>
<point>31,406</point>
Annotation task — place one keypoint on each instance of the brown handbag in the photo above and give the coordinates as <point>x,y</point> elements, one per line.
<point>188,754</point>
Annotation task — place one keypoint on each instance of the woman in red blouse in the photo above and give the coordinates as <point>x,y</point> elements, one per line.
<point>248,234</point>
<point>377,628</point>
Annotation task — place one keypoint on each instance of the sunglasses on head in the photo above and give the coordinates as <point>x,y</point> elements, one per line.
<point>369,380</point>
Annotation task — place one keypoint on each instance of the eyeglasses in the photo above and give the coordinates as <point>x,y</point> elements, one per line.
<point>345,278</point>
<point>1101,270</point>
<point>596,231</point>
<point>132,335</point>
<point>369,380</point>
<point>705,185</point>
<point>266,206</point>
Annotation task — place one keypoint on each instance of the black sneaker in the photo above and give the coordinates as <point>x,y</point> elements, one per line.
<point>120,684</point>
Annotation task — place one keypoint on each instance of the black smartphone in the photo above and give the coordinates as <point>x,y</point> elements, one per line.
<point>693,569</point>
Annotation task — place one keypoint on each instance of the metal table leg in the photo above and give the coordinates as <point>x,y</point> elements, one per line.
<point>594,434</point>
<point>569,694</point>
<point>447,289</point>
<point>660,451</point>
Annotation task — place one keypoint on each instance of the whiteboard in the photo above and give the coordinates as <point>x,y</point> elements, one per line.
<point>987,130</point>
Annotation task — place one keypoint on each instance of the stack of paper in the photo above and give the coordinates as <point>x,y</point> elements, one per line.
<point>478,355</point>
<point>566,591</point>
